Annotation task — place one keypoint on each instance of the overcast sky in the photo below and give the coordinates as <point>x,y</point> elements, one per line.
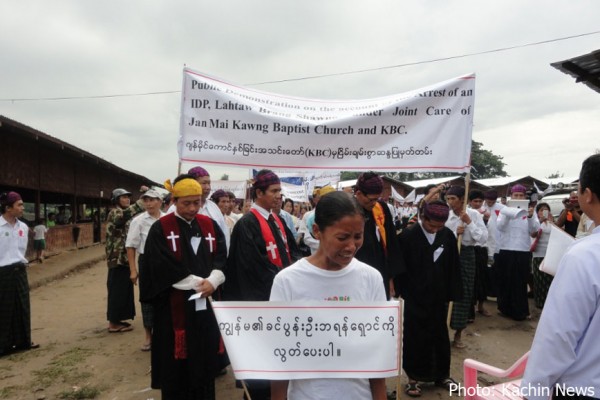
<point>534,116</point>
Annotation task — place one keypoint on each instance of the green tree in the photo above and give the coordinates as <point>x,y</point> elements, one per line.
<point>225,177</point>
<point>485,163</point>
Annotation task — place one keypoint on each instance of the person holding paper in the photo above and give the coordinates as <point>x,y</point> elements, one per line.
<point>513,264</point>
<point>185,253</point>
<point>565,355</point>
<point>431,280</point>
<point>539,245</point>
<point>332,273</point>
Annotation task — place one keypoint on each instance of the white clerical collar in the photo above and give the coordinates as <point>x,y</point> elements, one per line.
<point>262,211</point>
<point>430,236</point>
<point>181,218</point>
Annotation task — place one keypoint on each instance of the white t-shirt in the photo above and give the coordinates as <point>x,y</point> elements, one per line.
<point>39,232</point>
<point>305,281</point>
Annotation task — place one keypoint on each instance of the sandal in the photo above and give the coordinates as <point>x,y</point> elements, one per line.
<point>485,313</point>
<point>447,383</point>
<point>458,344</point>
<point>413,389</point>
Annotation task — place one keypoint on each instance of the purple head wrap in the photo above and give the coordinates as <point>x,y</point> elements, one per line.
<point>216,196</point>
<point>198,172</point>
<point>8,199</point>
<point>436,211</point>
<point>369,183</point>
<point>264,179</point>
<point>518,188</point>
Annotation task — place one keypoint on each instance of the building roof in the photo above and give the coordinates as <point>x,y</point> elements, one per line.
<point>585,69</point>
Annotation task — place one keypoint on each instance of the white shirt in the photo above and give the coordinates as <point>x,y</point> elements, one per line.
<point>516,232</point>
<point>493,234</point>
<point>13,242</point>
<point>39,232</point>
<point>565,349</point>
<point>474,233</point>
<point>542,245</point>
<point>305,281</point>
<point>138,231</point>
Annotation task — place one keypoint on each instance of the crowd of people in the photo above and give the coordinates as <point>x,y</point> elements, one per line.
<point>445,256</point>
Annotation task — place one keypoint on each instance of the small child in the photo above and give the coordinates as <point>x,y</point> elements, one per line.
<point>39,238</point>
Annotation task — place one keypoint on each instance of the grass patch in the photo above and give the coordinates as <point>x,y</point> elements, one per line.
<point>64,368</point>
<point>80,393</point>
<point>8,392</point>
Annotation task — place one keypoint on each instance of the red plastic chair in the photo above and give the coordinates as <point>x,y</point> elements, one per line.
<point>505,390</point>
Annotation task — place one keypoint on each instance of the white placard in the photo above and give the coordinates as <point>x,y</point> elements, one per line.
<point>558,243</point>
<point>304,340</point>
<point>427,129</point>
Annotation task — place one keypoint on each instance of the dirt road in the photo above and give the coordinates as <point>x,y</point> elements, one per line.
<point>79,359</point>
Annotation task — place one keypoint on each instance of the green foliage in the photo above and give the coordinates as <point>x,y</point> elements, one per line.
<point>485,163</point>
<point>85,392</point>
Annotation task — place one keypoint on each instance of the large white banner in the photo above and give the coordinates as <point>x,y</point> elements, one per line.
<point>428,129</point>
<point>303,340</point>
<point>236,187</point>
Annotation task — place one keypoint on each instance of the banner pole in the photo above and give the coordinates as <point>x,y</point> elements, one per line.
<point>246,390</point>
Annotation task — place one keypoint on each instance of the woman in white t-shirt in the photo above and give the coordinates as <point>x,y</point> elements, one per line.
<point>329,274</point>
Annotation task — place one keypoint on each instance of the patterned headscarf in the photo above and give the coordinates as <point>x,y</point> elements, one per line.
<point>518,188</point>
<point>198,172</point>
<point>436,211</point>
<point>10,198</point>
<point>264,180</point>
<point>369,183</point>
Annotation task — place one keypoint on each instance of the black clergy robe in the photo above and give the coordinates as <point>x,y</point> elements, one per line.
<point>162,270</point>
<point>426,287</point>
<point>250,271</point>
<point>389,262</point>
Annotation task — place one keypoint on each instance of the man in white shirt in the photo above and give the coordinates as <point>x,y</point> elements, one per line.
<point>468,224</point>
<point>565,354</point>
<point>135,243</point>
<point>513,264</point>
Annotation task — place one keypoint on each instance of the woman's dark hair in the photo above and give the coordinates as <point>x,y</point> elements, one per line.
<point>288,201</point>
<point>540,205</point>
<point>334,206</point>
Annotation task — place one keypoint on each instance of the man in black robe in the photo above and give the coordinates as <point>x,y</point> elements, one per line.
<point>380,247</point>
<point>185,253</point>
<point>431,280</point>
<point>261,245</point>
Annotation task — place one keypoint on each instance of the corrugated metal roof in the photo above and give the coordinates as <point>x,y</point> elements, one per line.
<point>585,69</point>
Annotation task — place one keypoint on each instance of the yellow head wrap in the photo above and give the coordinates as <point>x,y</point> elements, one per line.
<point>326,189</point>
<point>183,188</point>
